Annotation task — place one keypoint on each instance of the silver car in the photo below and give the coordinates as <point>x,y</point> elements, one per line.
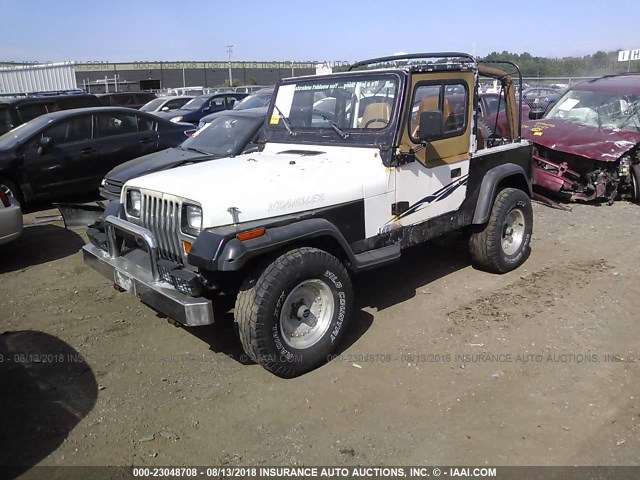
<point>10,218</point>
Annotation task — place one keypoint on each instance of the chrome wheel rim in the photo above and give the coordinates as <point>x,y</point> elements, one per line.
<point>306,314</point>
<point>513,232</point>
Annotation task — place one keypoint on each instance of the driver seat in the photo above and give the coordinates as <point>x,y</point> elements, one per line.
<point>430,104</point>
<point>377,115</point>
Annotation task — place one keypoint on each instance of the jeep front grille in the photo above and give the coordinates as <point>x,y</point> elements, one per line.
<point>162,217</point>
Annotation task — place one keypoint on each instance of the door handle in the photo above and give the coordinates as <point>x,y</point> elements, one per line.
<point>147,140</point>
<point>86,151</point>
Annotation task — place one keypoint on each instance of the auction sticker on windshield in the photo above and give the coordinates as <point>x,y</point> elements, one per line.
<point>284,100</point>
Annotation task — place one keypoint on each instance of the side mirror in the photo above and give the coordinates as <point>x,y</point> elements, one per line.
<point>430,126</point>
<point>206,109</point>
<point>44,144</point>
<point>164,109</point>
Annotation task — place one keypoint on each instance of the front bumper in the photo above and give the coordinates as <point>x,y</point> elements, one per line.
<point>136,271</point>
<point>10,222</point>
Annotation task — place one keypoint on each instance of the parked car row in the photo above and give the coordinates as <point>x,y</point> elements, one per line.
<point>64,153</point>
<point>16,111</point>
<point>202,105</point>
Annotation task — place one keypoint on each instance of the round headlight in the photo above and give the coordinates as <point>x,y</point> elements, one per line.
<point>176,119</point>
<point>193,215</point>
<point>134,203</point>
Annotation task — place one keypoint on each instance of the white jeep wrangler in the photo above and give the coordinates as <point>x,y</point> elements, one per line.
<point>356,166</point>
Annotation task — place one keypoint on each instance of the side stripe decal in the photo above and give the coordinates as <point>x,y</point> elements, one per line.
<point>441,194</point>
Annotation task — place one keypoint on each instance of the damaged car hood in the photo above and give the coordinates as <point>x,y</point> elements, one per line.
<point>585,141</point>
<point>283,179</point>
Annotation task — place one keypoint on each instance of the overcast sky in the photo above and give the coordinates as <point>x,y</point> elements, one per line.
<point>328,30</point>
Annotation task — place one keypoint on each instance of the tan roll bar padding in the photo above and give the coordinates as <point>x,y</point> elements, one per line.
<point>511,110</point>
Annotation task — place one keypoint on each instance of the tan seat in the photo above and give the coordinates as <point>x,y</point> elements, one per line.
<point>376,115</point>
<point>430,104</point>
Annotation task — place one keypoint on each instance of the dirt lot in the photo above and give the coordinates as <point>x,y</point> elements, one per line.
<point>444,364</point>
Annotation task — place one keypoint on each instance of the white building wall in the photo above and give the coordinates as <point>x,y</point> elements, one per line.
<point>37,78</point>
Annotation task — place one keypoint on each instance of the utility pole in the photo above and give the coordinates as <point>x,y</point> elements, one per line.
<point>229,52</point>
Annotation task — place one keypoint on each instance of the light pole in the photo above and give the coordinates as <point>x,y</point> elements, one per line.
<point>229,52</point>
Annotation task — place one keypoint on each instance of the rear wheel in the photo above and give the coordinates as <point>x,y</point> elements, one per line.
<point>504,242</point>
<point>293,314</point>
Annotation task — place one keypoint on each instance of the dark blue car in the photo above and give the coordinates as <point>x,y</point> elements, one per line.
<point>202,105</point>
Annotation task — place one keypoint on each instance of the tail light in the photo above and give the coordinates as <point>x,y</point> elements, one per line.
<point>190,133</point>
<point>4,200</point>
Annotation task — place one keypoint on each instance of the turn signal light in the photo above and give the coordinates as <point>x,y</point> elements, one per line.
<point>258,232</point>
<point>186,246</point>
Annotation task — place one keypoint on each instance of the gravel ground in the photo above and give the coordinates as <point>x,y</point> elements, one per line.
<point>443,364</point>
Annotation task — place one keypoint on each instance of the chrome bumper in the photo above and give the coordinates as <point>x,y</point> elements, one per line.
<point>136,271</point>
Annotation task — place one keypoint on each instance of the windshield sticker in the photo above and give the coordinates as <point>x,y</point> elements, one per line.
<point>568,104</point>
<point>284,100</point>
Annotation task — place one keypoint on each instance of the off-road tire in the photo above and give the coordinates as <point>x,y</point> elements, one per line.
<point>260,303</point>
<point>485,245</point>
<point>10,188</point>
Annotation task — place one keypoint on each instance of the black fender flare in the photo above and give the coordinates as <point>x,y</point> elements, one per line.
<point>216,252</point>
<point>488,189</point>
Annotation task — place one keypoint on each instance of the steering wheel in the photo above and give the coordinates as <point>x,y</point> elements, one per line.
<point>373,120</point>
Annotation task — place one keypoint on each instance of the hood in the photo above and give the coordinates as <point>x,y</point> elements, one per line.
<point>154,162</point>
<point>589,142</point>
<point>280,180</point>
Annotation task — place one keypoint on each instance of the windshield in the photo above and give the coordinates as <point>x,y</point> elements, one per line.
<point>254,101</point>
<point>331,102</point>
<point>195,103</point>
<point>224,135</point>
<point>152,105</point>
<point>612,111</point>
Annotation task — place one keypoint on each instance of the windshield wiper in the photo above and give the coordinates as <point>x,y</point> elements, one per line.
<point>197,150</point>
<point>285,120</point>
<point>334,125</point>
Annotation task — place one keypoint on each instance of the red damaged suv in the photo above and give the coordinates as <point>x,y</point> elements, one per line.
<point>587,146</point>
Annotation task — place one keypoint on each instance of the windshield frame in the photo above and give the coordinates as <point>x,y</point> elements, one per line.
<point>326,134</point>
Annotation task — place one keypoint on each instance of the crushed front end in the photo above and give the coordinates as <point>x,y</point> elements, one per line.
<point>577,178</point>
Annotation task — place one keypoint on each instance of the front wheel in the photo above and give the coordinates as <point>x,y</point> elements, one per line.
<point>504,242</point>
<point>293,314</point>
